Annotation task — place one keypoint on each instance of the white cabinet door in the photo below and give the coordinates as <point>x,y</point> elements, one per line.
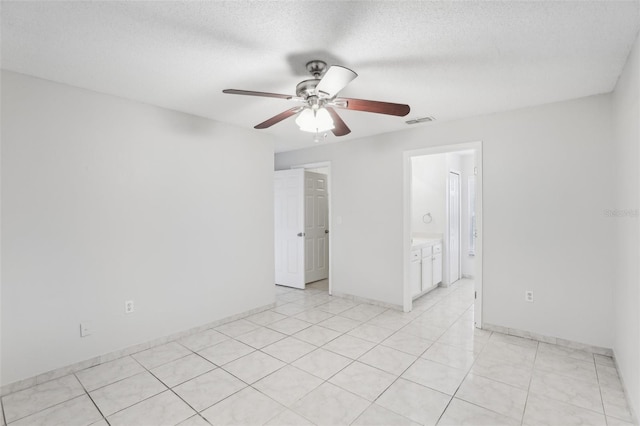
<point>427,273</point>
<point>437,268</point>
<point>415,273</point>
<point>289,224</point>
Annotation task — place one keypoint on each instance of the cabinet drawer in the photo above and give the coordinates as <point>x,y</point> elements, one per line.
<point>415,255</point>
<point>437,248</point>
<point>426,252</point>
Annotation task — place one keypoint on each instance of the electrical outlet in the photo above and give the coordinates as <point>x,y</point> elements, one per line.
<point>85,329</point>
<point>128,307</point>
<point>528,296</point>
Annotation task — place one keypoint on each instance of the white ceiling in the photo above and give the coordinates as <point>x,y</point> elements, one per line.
<point>444,59</point>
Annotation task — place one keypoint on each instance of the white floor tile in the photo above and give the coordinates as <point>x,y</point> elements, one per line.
<point>545,411</point>
<point>289,418</point>
<point>287,385</point>
<point>450,355</point>
<point>160,410</point>
<point>109,372</point>
<point>322,363</point>
<point>376,415</point>
<point>162,354</point>
<point>349,346</point>
<point>416,402</point>
<point>363,380</point>
<point>79,411</point>
<point>247,407</point>
<point>183,369</point>
<point>495,396</point>
<point>493,368</point>
<point>371,333</point>
<point>204,339</point>
<point>208,389</point>
<point>239,373</point>
<point>265,318</point>
<point>196,420</point>
<point>289,349</point>
<point>565,389</point>
<point>407,343</point>
<point>253,367</point>
<point>317,335</point>
<point>388,359</point>
<point>462,413</point>
<point>237,328</point>
<point>330,405</point>
<point>127,392</point>
<point>435,376</point>
<point>260,337</point>
<point>289,325</point>
<point>340,324</point>
<point>225,352</point>
<point>29,401</point>
<point>313,316</point>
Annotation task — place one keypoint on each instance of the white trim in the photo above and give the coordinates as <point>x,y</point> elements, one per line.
<point>318,165</point>
<point>406,228</point>
<point>548,339</point>
<point>101,359</point>
<point>447,236</point>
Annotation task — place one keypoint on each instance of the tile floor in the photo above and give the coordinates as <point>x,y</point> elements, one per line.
<point>316,359</point>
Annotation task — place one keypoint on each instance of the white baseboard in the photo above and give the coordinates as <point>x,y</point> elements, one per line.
<point>75,367</point>
<point>369,301</point>
<point>548,339</point>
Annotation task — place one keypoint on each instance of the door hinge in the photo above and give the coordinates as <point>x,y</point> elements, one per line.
<point>475,171</point>
<point>475,294</point>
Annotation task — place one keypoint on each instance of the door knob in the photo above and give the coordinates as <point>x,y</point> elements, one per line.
<point>326,231</point>
<point>300,234</point>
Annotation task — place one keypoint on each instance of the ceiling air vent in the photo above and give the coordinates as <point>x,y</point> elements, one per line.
<point>420,120</point>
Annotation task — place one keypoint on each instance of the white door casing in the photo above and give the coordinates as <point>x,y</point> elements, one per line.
<point>289,228</point>
<point>454,227</point>
<point>316,227</point>
<point>476,147</point>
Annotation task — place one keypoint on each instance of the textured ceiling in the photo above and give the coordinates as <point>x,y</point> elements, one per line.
<point>444,59</point>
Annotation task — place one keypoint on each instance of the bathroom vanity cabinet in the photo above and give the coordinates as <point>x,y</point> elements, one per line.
<point>426,265</point>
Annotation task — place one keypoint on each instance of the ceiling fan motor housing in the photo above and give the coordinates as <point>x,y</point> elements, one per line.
<point>307,88</point>
<point>316,67</point>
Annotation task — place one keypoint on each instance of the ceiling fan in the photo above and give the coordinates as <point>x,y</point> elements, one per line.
<point>317,98</point>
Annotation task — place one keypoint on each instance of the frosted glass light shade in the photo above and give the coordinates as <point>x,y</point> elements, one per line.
<point>314,121</point>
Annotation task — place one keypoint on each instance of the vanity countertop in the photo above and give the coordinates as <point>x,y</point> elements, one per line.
<point>417,243</point>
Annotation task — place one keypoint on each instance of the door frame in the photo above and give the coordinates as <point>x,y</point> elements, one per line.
<point>447,235</point>
<point>323,164</point>
<point>406,228</point>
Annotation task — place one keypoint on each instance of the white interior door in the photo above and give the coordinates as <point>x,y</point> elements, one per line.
<point>454,227</point>
<point>289,227</point>
<point>316,227</point>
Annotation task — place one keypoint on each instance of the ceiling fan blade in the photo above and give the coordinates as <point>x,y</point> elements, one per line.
<point>373,106</point>
<point>334,80</point>
<point>278,118</point>
<point>339,127</point>
<point>252,93</point>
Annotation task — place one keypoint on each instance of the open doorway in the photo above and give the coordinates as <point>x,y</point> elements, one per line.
<point>303,217</point>
<point>442,221</point>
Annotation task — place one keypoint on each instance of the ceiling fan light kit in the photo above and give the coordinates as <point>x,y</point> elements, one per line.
<point>319,97</point>
<point>315,120</point>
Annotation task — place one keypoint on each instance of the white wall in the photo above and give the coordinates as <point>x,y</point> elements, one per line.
<point>626,125</point>
<point>547,179</point>
<point>106,200</point>
<point>428,193</point>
